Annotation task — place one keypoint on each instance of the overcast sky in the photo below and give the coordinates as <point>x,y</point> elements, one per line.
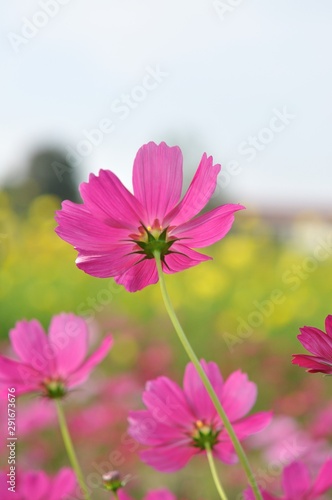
<point>246,81</point>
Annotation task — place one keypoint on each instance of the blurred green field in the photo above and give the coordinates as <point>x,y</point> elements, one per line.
<point>243,309</point>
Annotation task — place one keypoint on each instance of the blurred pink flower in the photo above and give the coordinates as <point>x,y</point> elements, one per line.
<point>297,484</point>
<point>37,485</point>
<point>116,232</point>
<point>319,344</point>
<point>179,423</point>
<point>51,364</point>
<point>161,494</point>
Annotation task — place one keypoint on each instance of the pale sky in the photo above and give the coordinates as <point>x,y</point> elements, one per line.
<point>246,81</point>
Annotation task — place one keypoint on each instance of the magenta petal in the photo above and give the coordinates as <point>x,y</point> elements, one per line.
<point>83,372</point>
<point>316,341</point>
<point>150,428</point>
<point>68,335</point>
<point>167,402</point>
<point>107,198</point>
<point>139,276</point>
<point>252,424</point>
<point>168,458</point>
<point>19,375</point>
<point>328,325</point>
<point>35,484</point>
<point>176,262</point>
<point>313,364</point>
<point>323,481</point>
<point>225,452</point>
<point>196,393</point>
<point>157,179</point>
<point>79,227</point>
<point>239,395</point>
<point>295,480</point>
<point>64,484</point>
<point>207,228</point>
<point>199,192</point>
<point>161,494</point>
<point>31,345</point>
<point>117,261</point>
<point>123,495</point>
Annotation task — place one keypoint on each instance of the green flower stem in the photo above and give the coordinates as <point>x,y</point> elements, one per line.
<point>115,494</point>
<point>214,472</point>
<point>70,448</point>
<point>206,382</point>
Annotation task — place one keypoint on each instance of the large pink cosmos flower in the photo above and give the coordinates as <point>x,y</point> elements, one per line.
<point>178,424</point>
<point>297,484</point>
<point>116,233</point>
<point>161,494</point>
<point>320,344</point>
<point>51,364</point>
<point>37,485</point>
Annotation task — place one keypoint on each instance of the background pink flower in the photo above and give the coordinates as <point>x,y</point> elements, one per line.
<point>116,232</point>
<point>51,364</point>
<point>319,344</point>
<point>37,485</point>
<point>161,494</point>
<point>297,484</point>
<point>178,423</point>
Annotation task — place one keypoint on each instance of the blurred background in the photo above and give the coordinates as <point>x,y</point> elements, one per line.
<point>84,86</point>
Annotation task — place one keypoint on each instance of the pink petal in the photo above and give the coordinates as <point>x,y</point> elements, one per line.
<point>323,481</point>
<point>82,373</point>
<point>147,428</point>
<point>328,325</point>
<point>239,395</point>
<point>117,261</point>
<point>199,192</point>
<point>161,494</point>
<point>176,262</point>
<point>79,227</point>
<point>31,345</point>
<point>295,480</point>
<point>207,228</point>
<point>139,276</point>
<point>157,179</point>
<point>313,364</point>
<point>123,495</point>
<point>168,458</point>
<point>316,341</point>
<point>64,484</point>
<point>252,424</point>
<point>68,335</point>
<point>107,198</point>
<point>225,452</point>
<point>196,394</point>
<point>19,375</point>
<point>167,402</point>
<point>35,484</point>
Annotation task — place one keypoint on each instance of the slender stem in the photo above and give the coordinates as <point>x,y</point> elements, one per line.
<point>206,382</point>
<point>209,455</point>
<point>70,448</point>
<point>115,494</point>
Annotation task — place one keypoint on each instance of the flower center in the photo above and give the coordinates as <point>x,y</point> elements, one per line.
<point>204,434</point>
<point>153,239</point>
<point>54,388</point>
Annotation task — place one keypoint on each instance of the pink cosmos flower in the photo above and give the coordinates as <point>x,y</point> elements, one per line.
<point>161,494</point>
<point>51,364</point>
<point>116,232</point>
<point>320,344</point>
<point>297,484</point>
<point>178,424</point>
<point>37,485</point>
